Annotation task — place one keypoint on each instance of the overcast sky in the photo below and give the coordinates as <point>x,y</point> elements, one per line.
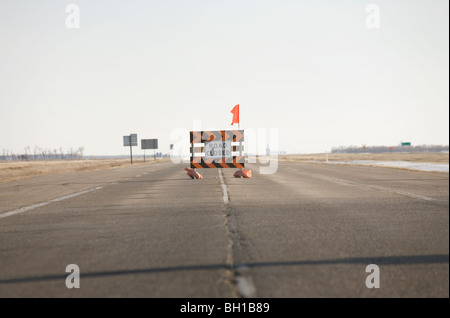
<point>312,69</point>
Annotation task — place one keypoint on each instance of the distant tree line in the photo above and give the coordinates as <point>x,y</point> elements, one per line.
<point>38,153</point>
<point>379,149</point>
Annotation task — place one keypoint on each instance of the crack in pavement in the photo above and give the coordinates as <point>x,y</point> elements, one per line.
<point>237,275</point>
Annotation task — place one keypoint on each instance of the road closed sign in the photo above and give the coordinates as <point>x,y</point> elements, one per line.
<point>218,149</point>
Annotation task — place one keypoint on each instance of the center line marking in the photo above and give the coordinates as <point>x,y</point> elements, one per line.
<point>243,280</point>
<point>224,187</point>
<point>38,205</point>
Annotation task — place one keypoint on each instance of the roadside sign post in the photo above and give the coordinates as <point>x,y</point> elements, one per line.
<point>130,141</point>
<point>131,151</point>
<point>149,144</point>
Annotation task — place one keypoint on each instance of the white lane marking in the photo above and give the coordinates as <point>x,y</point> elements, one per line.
<point>224,187</point>
<point>38,205</point>
<point>408,194</point>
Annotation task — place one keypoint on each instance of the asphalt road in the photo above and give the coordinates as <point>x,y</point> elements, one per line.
<point>310,230</point>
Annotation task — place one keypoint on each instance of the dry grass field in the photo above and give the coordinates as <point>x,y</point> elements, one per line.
<point>414,157</point>
<point>16,170</point>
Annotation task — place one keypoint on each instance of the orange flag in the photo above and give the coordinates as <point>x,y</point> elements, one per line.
<point>235,112</point>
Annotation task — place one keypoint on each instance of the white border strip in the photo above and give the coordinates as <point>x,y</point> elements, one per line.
<point>408,194</point>
<point>38,205</point>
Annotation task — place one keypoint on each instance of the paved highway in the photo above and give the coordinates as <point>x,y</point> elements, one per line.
<point>309,230</point>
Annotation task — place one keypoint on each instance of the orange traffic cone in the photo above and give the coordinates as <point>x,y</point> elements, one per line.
<point>193,174</point>
<point>243,174</point>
